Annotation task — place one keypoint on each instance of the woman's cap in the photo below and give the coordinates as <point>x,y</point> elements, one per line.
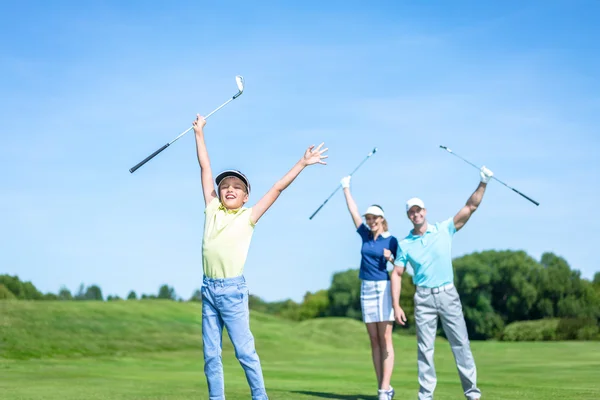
<point>374,210</point>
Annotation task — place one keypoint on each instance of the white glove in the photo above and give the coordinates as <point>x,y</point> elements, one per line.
<point>345,182</point>
<point>485,174</point>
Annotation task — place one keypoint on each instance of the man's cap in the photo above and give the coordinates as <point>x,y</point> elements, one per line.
<point>374,210</point>
<point>415,201</point>
<point>235,173</point>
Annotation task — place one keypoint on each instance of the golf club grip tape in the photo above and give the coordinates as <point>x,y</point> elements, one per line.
<point>150,157</point>
<point>528,198</point>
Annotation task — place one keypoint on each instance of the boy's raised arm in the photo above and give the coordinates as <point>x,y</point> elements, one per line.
<point>208,186</point>
<point>311,156</point>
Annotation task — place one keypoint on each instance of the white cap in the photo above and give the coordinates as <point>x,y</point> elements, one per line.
<point>414,202</point>
<point>374,210</point>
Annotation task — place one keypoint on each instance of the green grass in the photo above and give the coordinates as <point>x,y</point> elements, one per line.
<point>152,350</point>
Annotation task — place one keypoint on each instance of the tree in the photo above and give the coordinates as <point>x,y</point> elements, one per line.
<point>514,285</point>
<point>315,305</point>
<point>93,293</point>
<point>166,292</point>
<point>500,287</point>
<point>473,281</point>
<point>80,293</point>
<point>50,296</point>
<point>407,302</point>
<point>6,294</point>
<point>497,288</point>
<point>64,294</point>
<point>21,290</point>
<point>132,296</point>
<point>344,295</point>
<point>569,294</point>
<point>288,309</point>
<point>196,296</point>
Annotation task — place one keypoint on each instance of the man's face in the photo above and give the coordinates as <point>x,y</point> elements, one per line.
<point>232,193</point>
<point>417,215</point>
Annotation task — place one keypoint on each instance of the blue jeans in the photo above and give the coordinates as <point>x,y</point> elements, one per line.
<point>225,303</point>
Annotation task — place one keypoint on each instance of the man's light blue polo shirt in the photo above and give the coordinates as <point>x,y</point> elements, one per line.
<point>430,255</point>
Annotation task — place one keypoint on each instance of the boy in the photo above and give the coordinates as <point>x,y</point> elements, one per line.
<point>228,230</point>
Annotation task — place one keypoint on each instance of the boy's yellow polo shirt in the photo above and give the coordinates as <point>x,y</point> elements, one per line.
<point>227,236</point>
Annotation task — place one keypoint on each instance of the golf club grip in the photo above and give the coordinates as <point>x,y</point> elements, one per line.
<point>315,213</point>
<point>150,157</point>
<point>528,198</point>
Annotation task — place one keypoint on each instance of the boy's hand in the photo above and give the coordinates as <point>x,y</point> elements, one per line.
<point>199,123</point>
<point>313,156</point>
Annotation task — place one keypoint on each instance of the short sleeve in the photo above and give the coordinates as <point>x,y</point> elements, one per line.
<point>364,232</point>
<point>448,225</point>
<point>212,207</point>
<point>401,259</point>
<point>394,246</point>
<point>248,215</point>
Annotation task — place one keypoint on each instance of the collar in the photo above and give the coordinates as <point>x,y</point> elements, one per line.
<point>430,228</point>
<point>384,235</point>
<point>227,210</point>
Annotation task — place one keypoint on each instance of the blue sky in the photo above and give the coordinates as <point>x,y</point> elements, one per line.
<point>88,89</point>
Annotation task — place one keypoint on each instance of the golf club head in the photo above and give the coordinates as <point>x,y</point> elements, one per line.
<point>239,80</point>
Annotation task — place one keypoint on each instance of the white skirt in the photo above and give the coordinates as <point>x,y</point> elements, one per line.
<point>376,301</point>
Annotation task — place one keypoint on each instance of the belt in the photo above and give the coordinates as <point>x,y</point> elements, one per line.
<point>436,290</point>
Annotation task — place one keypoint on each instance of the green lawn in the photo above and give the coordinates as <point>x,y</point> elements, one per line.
<point>152,350</point>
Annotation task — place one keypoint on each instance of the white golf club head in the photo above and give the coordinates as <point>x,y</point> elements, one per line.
<point>240,82</point>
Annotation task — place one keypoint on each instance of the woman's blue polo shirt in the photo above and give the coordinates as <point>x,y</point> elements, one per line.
<point>373,265</point>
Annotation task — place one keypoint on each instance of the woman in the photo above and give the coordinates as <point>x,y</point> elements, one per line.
<point>378,248</point>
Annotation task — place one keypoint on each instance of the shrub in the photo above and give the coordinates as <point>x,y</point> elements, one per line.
<point>6,294</point>
<point>538,330</point>
<point>577,329</point>
<point>552,329</point>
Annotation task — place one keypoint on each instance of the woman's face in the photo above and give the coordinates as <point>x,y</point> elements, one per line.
<point>374,222</point>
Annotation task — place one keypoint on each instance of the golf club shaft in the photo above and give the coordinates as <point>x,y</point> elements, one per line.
<point>493,177</point>
<point>221,106</point>
<point>157,152</point>
<point>339,186</point>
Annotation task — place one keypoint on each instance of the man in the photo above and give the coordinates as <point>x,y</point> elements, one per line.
<point>428,250</point>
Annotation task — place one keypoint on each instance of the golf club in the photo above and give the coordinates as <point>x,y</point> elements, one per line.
<point>339,186</point>
<point>493,177</point>
<point>239,80</point>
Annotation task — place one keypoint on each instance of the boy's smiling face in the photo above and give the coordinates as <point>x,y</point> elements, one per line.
<point>233,193</point>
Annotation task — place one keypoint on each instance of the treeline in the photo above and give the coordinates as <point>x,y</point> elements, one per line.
<point>497,289</point>
<point>11,287</point>
<point>506,295</point>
